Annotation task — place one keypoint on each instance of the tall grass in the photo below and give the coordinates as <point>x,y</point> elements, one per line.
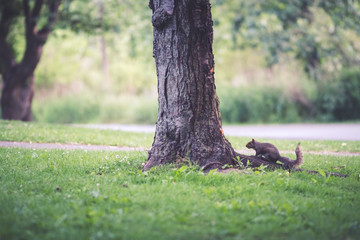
<point>97,108</point>
<point>255,105</point>
<point>78,91</point>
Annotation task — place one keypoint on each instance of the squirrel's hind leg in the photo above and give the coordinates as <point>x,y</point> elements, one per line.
<point>266,156</point>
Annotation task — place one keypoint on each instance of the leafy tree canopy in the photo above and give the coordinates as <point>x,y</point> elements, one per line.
<point>86,16</point>
<point>321,34</point>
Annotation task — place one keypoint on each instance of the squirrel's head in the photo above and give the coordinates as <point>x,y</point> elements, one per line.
<point>251,144</point>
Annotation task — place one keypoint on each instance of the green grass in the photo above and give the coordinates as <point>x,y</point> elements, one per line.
<point>55,194</point>
<point>41,132</point>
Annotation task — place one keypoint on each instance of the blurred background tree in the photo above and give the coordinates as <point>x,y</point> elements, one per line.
<point>25,27</point>
<point>320,37</point>
<point>18,75</point>
<point>276,61</point>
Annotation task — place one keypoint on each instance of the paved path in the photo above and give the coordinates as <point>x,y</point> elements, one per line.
<point>61,146</point>
<point>345,132</point>
<point>349,132</point>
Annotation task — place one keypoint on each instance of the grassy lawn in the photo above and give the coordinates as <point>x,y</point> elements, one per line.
<point>41,132</point>
<point>53,194</point>
<point>57,194</point>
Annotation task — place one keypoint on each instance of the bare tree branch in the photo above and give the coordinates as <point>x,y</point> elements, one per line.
<point>35,40</point>
<point>6,53</point>
<point>37,8</point>
<point>53,13</point>
<point>30,19</point>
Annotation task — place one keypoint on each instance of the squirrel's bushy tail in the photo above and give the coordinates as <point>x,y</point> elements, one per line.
<point>293,163</point>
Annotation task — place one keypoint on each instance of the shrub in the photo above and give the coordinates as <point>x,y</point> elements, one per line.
<point>98,108</point>
<point>71,109</point>
<point>128,109</point>
<point>257,105</point>
<point>348,96</point>
<point>339,99</point>
<point>335,100</point>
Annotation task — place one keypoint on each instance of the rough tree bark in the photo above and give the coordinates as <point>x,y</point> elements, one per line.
<point>189,124</point>
<point>18,78</point>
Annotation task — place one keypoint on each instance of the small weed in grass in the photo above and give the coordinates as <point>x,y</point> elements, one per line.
<point>54,194</point>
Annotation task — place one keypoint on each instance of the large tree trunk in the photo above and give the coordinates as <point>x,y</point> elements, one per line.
<point>16,97</point>
<point>189,124</point>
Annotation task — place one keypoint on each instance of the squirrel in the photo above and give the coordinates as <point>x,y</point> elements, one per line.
<point>271,153</point>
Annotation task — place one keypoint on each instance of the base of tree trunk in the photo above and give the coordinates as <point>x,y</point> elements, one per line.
<point>206,147</point>
<point>16,100</point>
<point>218,161</point>
<point>221,157</point>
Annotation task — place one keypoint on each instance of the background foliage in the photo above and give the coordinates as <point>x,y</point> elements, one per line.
<point>276,61</point>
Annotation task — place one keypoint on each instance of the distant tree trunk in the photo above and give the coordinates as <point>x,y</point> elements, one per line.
<point>189,123</point>
<point>104,60</point>
<point>18,78</point>
<point>17,95</point>
<point>104,63</point>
